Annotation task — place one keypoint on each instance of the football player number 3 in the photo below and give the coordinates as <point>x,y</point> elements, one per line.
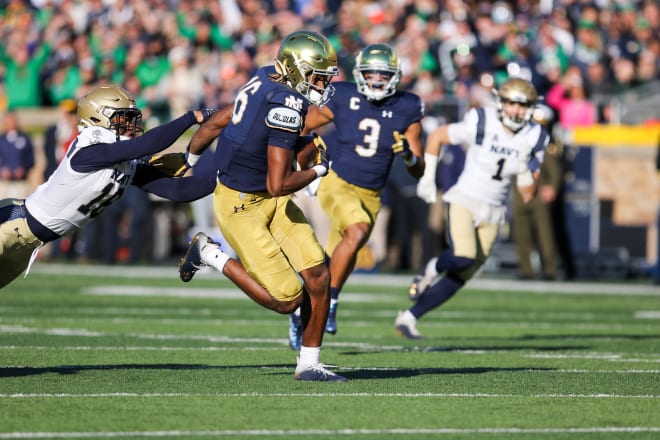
<point>370,139</point>
<point>241,101</point>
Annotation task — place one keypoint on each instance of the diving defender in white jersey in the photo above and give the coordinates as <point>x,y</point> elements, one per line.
<point>103,160</point>
<point>502,143</point>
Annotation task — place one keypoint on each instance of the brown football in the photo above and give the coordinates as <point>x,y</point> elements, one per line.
<point>305,153</point>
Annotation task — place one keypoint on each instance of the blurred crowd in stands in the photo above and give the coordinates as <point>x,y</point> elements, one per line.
<point>180,54</point>
<point>177,55</point>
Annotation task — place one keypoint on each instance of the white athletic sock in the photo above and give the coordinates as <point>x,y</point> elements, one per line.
<point>309,356</point>
<point>213,256</point>
<point>333,301</point>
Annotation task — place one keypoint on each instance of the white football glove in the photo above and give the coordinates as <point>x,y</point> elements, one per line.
<point>426,187</point>
<point>427,190</point>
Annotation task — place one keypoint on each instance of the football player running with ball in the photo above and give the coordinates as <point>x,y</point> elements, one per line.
<point>374,122</point>
<point>502,142</point>
<point>256,179</point>
<point>109,153</point>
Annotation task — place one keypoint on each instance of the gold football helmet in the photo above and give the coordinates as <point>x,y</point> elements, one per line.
<point>520,91</point>
<point>111,107</point>
<point>304,58</point>
<point>377,59</point>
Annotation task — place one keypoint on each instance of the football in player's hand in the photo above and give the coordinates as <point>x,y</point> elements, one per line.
<point>305,153</point>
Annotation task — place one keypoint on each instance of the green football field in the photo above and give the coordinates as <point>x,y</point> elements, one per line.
<point>132,352</point>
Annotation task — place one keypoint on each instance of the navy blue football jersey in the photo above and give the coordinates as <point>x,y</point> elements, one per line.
<point>265,113</point>
<point>362,154</point>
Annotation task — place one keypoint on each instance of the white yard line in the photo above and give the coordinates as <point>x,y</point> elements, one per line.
<point>305,433</point>
<point>488,432</point>
<point>351,395</point>
<point>583,287</point>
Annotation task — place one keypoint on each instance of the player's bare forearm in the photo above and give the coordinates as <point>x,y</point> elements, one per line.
<point>210,130</point>
<point>317,117</point>
<point>281,179</point>
<point>413,135</point>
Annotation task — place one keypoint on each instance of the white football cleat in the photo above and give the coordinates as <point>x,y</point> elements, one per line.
<point>192,261</point>
<point>423,280</point>
<point>406,324</point>
<point>317,373</point>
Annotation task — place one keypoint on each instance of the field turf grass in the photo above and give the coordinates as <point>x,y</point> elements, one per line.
<point>132,352</point>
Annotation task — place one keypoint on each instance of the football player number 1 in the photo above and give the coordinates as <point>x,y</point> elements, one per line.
<point>498,174</point>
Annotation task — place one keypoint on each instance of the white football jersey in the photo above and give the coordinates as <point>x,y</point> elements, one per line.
<point>494,156</point>
<point>70,199</point>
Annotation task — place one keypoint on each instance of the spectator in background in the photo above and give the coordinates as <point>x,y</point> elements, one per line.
<point>58,136</point>
<point>589,44</point>
<point>182,86</point>
<point>16,158</point>
<point>123,228</point>
<point>151,68</point>
<point>533,227</point>
<point>23,70</point>
<point>569,99</point>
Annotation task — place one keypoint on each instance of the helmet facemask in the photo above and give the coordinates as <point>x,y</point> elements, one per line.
<point>126,122</point>
<point>113,108</point>
<point>379,61</point>
<point>309,86</point>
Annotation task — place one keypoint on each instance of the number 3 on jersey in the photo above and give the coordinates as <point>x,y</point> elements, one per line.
<point>371,138</point>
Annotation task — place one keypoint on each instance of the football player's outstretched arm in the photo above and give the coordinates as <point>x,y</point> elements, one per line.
<point>185,189</point>
<point>317,117</point>
<point>210,130</point>
<point>436,140</point>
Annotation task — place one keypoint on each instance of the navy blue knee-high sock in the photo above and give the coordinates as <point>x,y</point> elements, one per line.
<point>437,295</point>
<point>451,263</point>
